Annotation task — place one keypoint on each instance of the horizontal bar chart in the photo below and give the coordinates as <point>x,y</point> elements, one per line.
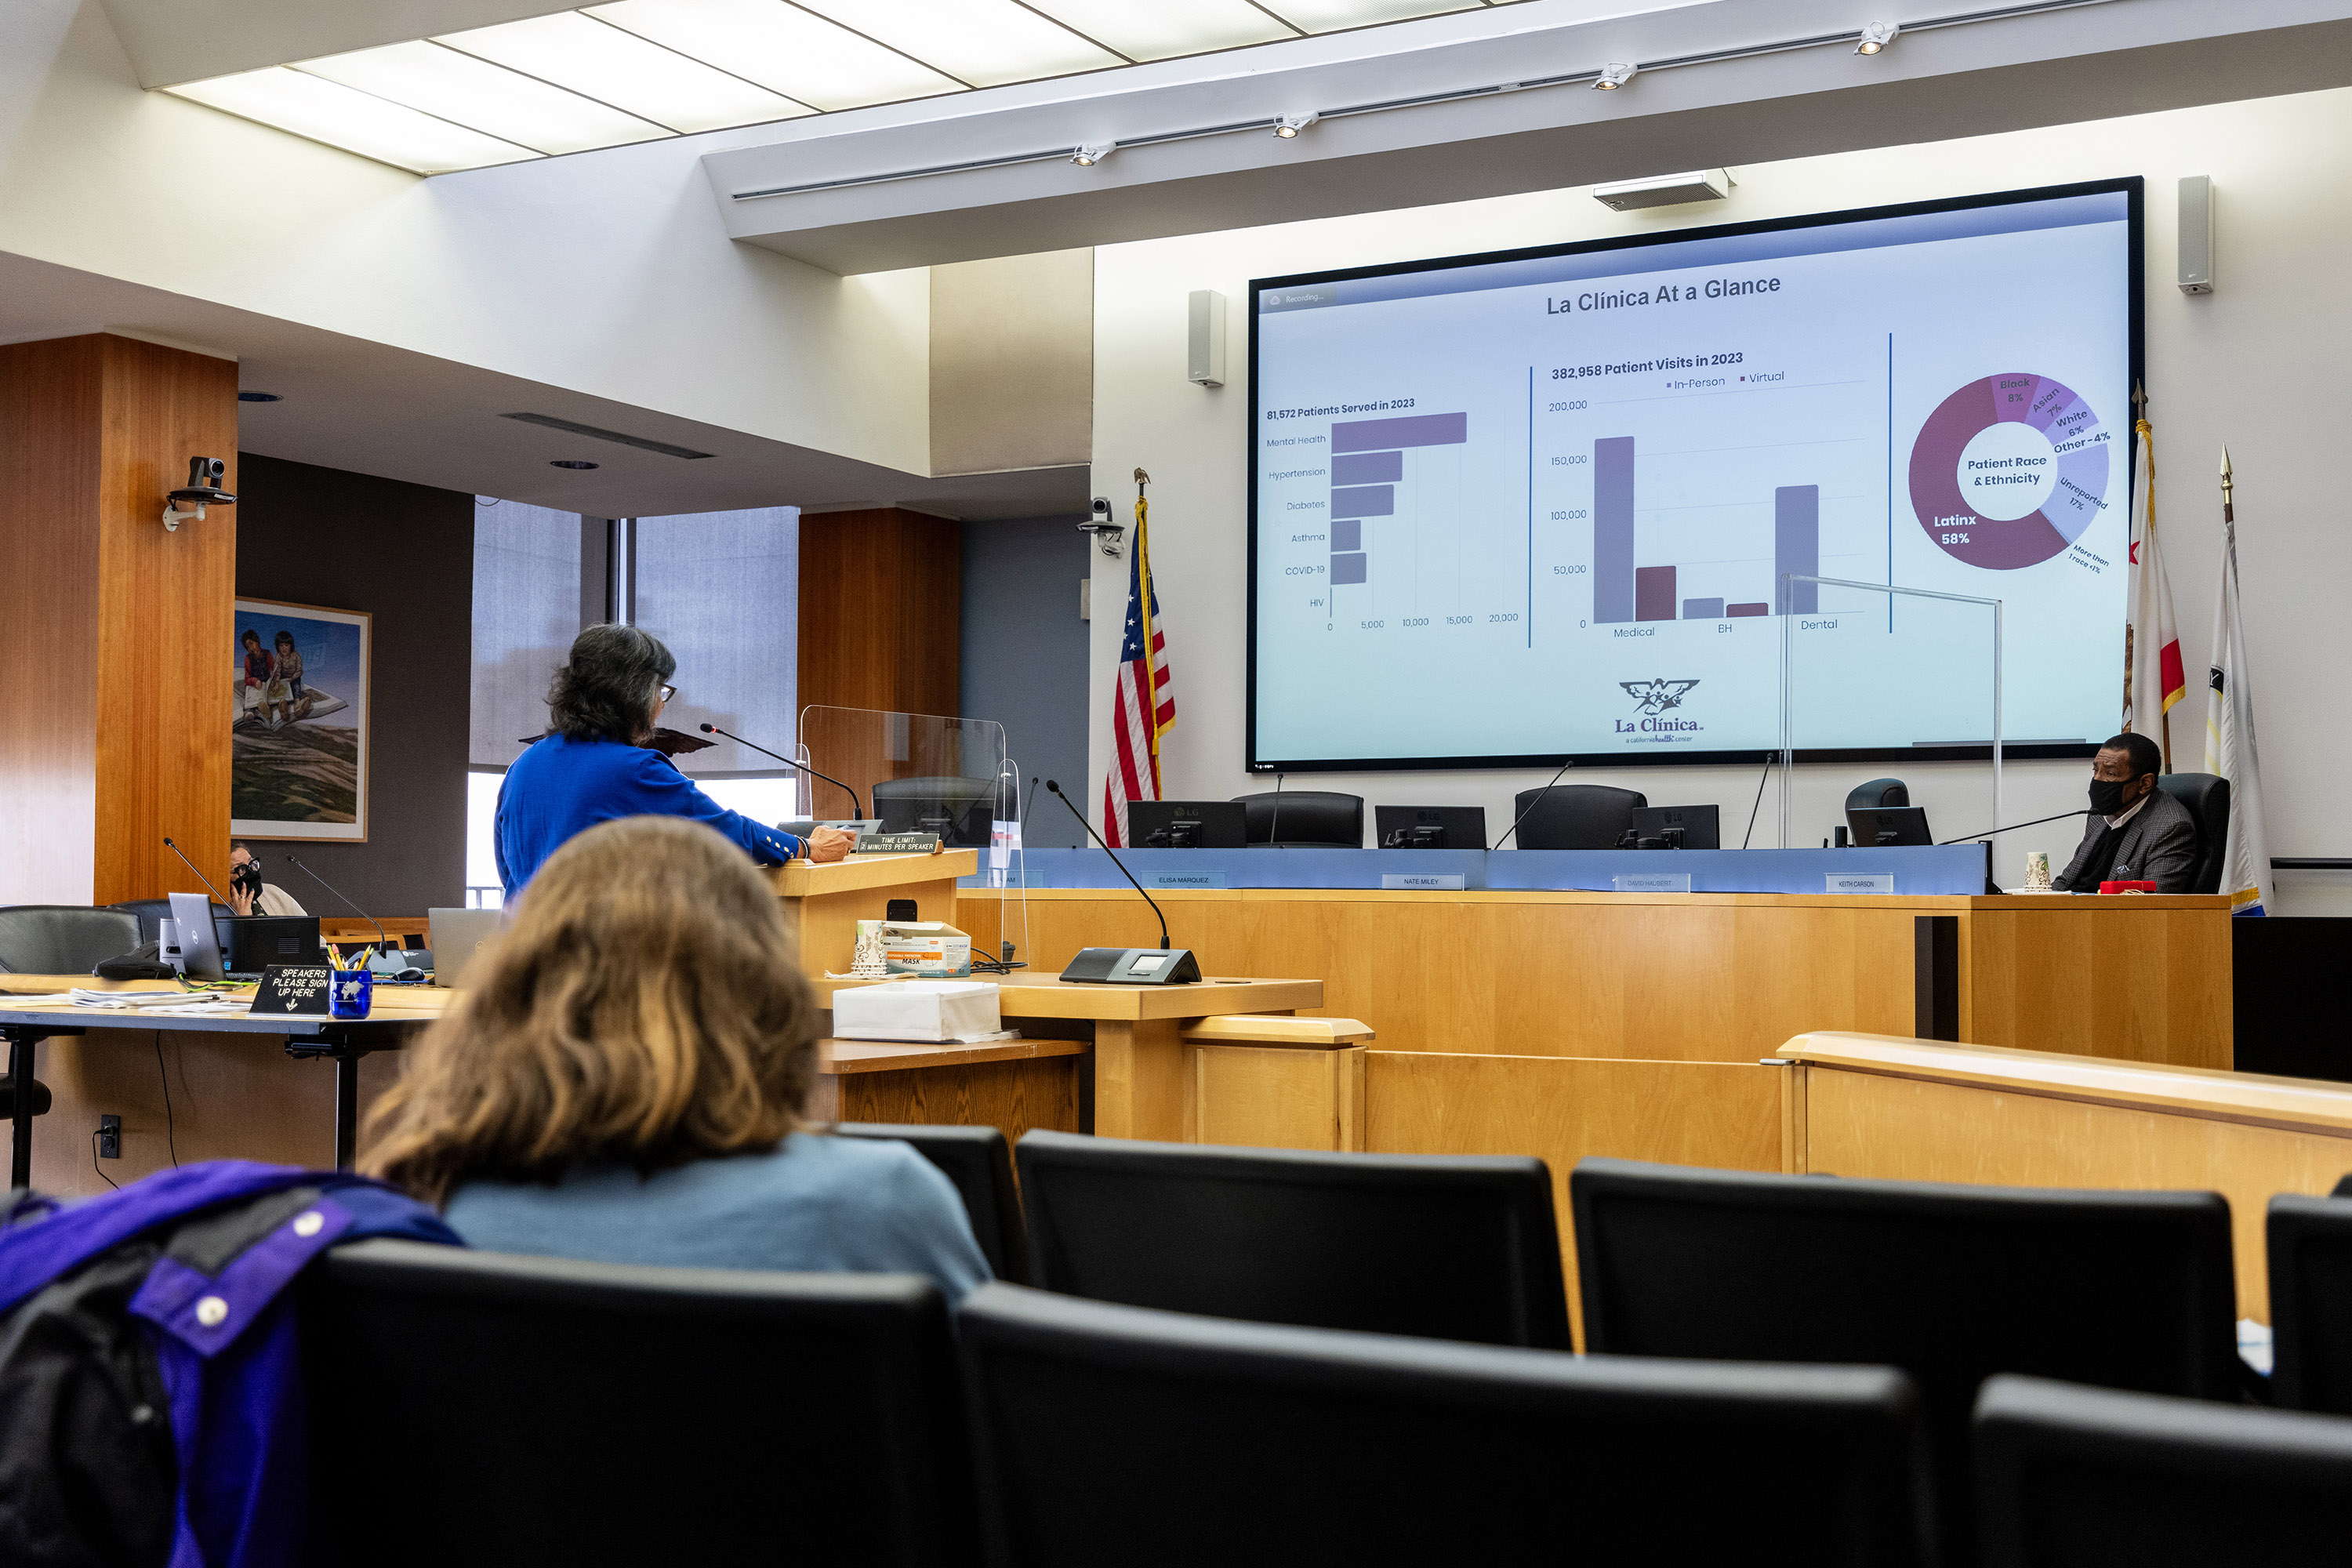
<point>1366,468</point>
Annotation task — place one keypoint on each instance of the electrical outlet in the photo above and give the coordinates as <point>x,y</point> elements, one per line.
<point>109,1138</point>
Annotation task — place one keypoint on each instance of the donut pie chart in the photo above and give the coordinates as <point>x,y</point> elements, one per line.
<point>1964,465</point>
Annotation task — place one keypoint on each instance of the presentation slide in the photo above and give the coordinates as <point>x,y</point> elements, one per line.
<point>1610,504</point>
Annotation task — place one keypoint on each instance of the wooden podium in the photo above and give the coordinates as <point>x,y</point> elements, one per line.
<point>822,904</point>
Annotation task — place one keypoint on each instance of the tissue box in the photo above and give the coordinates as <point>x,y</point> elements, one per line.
<point>916,1010</point>
<point>932,948</point>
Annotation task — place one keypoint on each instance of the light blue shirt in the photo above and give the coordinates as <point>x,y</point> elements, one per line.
<point>815,1204</point>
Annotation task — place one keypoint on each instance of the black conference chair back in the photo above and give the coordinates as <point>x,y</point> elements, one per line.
<point>152,913</point>
<point>2208,800</point>
<point>1449,1246</point>
<point>1106,1433</point>
<point>1575,817</point>
<point>2127,1289</point>
<point>477,1408</point>
<point>62,939</point>
<point>2310,1247</point>
<point>1311,818</point>
<point>980,1162</point>
<point>2070,1476</point>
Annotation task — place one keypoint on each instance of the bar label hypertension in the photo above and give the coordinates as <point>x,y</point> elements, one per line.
<point>1493,497</point>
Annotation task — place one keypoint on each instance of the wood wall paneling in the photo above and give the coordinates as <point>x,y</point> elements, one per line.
<point>881,618</point>
<point>1560,1110</point>
<point>118,647</point>
<point>49,415</point>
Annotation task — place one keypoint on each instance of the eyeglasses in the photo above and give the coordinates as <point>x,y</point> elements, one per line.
<point>668,691</point>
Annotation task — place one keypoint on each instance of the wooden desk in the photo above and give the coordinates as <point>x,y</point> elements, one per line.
<point>1125,1061</point>
<point>822,904</point>
<point>1720,978</point>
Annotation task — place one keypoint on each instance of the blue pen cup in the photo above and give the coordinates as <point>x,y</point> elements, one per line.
<point>351,993</point>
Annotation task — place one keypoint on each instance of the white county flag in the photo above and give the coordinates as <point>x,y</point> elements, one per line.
<point>2154,677</point>
<point>2229,751</point>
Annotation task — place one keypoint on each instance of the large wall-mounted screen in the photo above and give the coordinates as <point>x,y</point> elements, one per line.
<point>1556,504</point>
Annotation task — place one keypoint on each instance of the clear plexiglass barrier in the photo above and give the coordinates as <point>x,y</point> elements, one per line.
<point>1856,657</point>
<point>922,773</point>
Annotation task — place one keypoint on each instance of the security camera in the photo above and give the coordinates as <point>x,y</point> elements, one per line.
<point>1100,523</point>
<point>203,489</point>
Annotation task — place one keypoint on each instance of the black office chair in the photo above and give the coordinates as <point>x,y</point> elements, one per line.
<point>1449,1246</point>
<point>472,1408</point>
<point>62,939</point>
<point>2208,800</point>
<point>1877,795</point>
<point>152,913</point>
<point>1106,1433</point>
<point>2310,1245</point>
<point>960,810</point>
<point>980,1162</point>
<point>2075,1476</point>
<point>1311,818</point>
<point>1575,817</point>
<point>2126,1289</point>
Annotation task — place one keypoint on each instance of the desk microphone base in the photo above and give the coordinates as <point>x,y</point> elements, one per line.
<point>1134,966</point>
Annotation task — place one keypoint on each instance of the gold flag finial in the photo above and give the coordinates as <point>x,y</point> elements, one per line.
<point>1142,477</point>
<point>2139,399</point>
<point>2226,480</point>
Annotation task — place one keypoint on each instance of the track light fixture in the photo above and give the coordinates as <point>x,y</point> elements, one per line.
<point>1290,125</point>
<point>1093,153</point>
<point>1876,36</point>
<point>1614,75</point>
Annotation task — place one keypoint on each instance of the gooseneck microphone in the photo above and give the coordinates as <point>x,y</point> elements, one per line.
<point>1055,790</point>
<point>1988,833</point>
<point>856,809</point>
<point>191,865</point>
<point>338,893</point>
<point>1538,800</point>
<point>1273,825</point>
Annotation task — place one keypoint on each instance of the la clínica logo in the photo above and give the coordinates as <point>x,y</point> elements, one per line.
<point>1653,698</point>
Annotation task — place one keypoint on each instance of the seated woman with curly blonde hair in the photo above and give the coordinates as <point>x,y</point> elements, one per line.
<point>625,1076</point>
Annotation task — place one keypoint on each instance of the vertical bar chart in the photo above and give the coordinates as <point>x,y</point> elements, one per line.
<point>1623,592</point>
<point>1797,545</point>
<point>1612,529</point>
<point>1367,469</point>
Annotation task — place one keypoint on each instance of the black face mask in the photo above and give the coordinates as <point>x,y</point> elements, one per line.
<point>2106,796</point>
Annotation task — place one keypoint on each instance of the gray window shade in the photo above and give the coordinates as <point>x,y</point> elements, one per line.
<point>722,589</point>
<point>526,612</point>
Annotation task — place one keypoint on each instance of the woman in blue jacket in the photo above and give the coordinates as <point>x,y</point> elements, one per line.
<point>594,764</point>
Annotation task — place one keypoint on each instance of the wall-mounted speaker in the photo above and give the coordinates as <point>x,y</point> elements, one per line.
<point>1204,353</point>
<point>2196,234</point>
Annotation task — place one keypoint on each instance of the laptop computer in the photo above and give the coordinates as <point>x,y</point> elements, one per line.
<point>200,953</point>
<point>455,935</point>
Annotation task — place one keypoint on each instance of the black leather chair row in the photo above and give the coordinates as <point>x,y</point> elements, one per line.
<point>1565,817</point>
<point>471,1408</point>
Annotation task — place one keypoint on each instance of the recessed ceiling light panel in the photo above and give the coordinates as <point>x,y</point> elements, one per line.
<point>983,42</point>
<point>1161,29</point>
<point>472,92</point>
<point>781,47</point>
<point>356,121</point>
<point>620,69</point>
<point>1330,16</point>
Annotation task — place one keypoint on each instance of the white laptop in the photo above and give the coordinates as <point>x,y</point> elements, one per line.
<point>454,936</point>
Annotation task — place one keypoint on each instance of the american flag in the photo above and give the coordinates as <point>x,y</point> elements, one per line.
<point>1142,690</point>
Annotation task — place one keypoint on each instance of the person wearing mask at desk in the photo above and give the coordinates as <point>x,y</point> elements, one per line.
<point>625,1079</point>
<point>247,894</point>
<point>2136,833</point>
<point>593,765</point>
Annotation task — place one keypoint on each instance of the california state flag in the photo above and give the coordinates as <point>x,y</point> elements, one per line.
<point>2229,751</point>
<point>2153,677</point>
